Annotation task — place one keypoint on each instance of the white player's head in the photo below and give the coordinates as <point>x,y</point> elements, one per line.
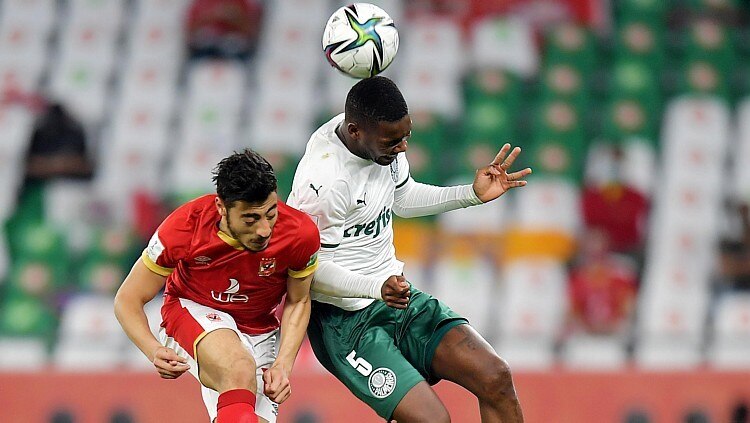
<point>246,198</point>
<point>377,125</point>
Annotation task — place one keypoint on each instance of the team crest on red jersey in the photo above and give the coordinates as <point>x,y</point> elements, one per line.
<point>267,266</point>
<point>213,317</point>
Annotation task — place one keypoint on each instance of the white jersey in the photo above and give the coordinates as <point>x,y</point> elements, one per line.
<point>351,200</point>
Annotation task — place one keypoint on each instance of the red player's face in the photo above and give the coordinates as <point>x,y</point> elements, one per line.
<point>251,223</point>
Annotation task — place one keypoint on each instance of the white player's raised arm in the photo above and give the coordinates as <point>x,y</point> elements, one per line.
<point>414,199</point>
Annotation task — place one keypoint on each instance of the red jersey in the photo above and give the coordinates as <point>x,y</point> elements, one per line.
<point>601,294</point>
<point>209,267</point>
<point>620,211</point>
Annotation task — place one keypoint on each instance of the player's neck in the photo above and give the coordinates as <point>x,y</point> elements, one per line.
<point>224,227</point>
<point>348,143</point>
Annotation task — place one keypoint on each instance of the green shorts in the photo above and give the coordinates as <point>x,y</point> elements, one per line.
<point>380,352</point>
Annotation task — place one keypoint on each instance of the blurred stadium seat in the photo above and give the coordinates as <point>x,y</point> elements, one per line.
<point>90,338</point>
<point>731,333</point>
<point>506,44</point>
<point>23,354</point>
<point>530,312</point>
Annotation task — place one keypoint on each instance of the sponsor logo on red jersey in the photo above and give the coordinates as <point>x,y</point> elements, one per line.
<point>213,317</point>
<point>231,294</point>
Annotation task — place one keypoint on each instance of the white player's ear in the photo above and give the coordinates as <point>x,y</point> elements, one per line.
<point>353,130</point>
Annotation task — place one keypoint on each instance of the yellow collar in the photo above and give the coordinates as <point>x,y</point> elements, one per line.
<point>229,240</point>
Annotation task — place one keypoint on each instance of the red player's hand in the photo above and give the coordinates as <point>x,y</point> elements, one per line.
<point>168,363</point>
<point>276,384</point>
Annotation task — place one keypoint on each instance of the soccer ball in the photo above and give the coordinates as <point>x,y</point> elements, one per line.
<point>360,40</point>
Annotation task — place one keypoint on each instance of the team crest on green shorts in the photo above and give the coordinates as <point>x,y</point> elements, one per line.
<point>382,382</point>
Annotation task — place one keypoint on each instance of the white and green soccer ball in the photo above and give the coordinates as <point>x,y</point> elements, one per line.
<point>360,40</point>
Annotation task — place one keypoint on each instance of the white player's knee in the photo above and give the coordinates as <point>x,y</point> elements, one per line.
<point>497,381</point>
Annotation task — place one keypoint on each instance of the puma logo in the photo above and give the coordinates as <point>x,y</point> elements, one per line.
<point>362,201</point>
<point>317,193</point>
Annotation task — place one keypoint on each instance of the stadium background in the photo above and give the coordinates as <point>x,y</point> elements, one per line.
<point>653,92</point>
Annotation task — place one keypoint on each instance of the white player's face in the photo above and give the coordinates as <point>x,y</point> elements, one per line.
<point>252,223</point>
<point>386,140</point>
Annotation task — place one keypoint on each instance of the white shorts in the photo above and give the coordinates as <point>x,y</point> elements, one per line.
<point>261,347</point>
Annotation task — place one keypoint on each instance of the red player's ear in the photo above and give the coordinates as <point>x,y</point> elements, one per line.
<point>220,206</point>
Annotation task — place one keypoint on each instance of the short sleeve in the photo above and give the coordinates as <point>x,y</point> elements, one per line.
<point>305,259</point>
<point>401,164</point>
<point>327,204</point>
<point>170,243</point>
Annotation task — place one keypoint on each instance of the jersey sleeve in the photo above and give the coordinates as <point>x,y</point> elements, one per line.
<point>170,243</point>
<point>327,203</point>
<point>305,259</point>
<point>402,170</point>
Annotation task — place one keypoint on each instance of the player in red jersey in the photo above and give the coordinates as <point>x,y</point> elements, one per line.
<point>227,260</point>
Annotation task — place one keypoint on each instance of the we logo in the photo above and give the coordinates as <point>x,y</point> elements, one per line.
<point>231,294</point>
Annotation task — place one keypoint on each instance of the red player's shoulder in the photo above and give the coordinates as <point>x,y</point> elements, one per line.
<point>204,207</point>
<point>203,202</point>
<point>198,205</point>
<point>301,221</point>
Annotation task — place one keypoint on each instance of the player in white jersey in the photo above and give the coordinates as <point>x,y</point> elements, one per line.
<point>353,176</point>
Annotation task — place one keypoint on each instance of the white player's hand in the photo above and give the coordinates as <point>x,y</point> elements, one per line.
<point>276,384</point>
<point>168,363</point>
<point>396,292</point>
<point>494,180</point>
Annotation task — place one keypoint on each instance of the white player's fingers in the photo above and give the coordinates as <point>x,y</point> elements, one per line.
<point>511,158</point>
<point>396,305</point>
<point>398,297</point>
<point>501,154</point>
<point>524,172</point>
